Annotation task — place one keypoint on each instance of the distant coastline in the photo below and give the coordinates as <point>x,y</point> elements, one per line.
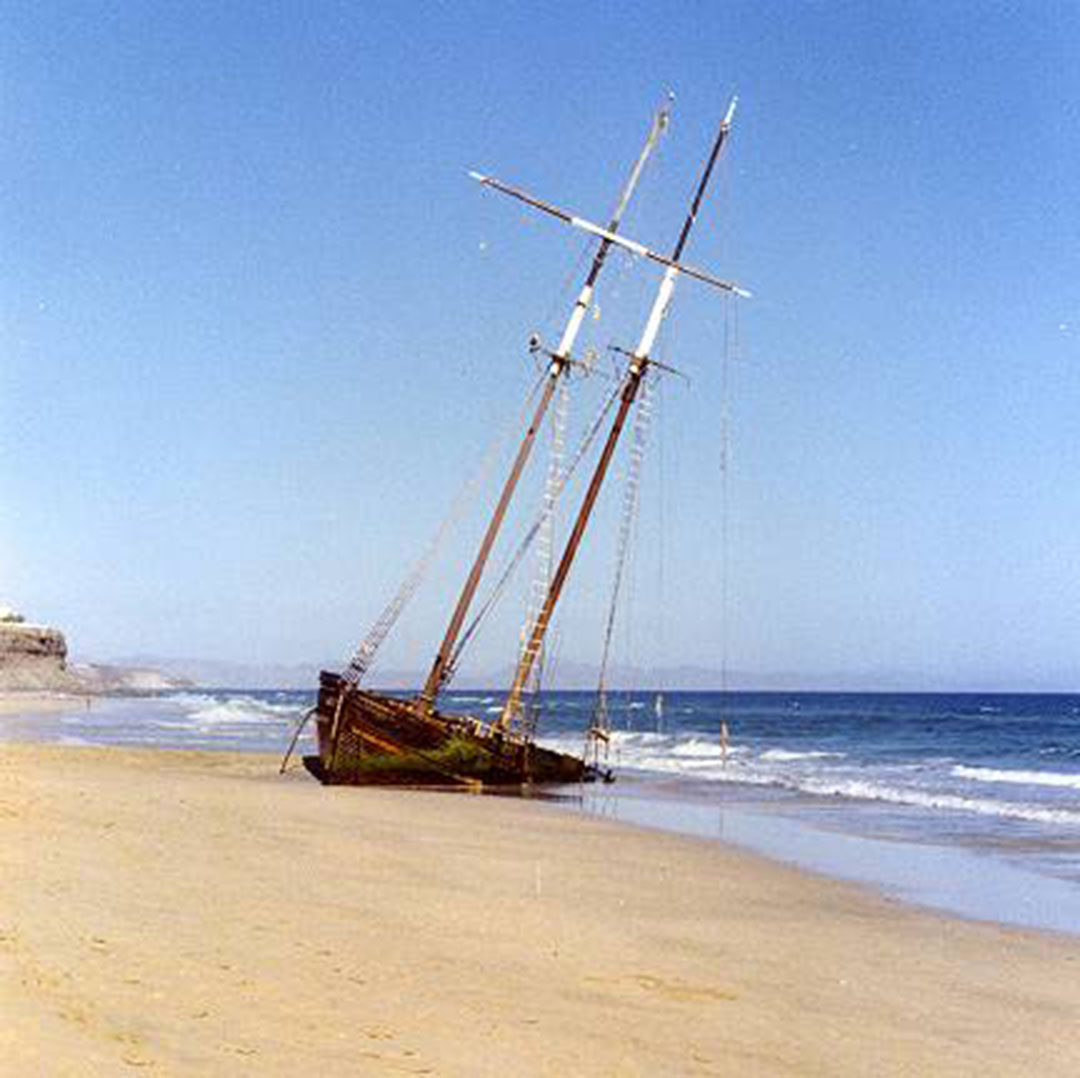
<point>225,673</point>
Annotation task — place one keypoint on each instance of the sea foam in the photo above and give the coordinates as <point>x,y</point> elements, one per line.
<point>1019,777</point>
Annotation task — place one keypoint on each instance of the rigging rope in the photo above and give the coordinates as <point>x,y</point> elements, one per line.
<point>600,731</point>
<point>364,655</point>
<point>526,543</point>
<point>545,550</point>
<point>661,597</point>
<point>731,350</point>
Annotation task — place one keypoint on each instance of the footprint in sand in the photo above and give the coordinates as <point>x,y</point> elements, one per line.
<point>678,991</point>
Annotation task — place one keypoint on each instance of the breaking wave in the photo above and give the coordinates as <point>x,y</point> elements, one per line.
<point>871,791</point>
<point>210,711</point>
<point>786,755</point>
<point>936,785</point>
<point>1057,779</point>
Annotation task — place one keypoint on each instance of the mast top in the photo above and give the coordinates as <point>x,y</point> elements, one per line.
<point>609,236</point>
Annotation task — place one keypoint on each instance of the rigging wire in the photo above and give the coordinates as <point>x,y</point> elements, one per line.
<point>670,346</point>
<point>730,354</point>
<point>534,529</point>
<point>545,568</point>
<point>731,339</point>
<point>600,730</point>
<point>365,653</point>
<point>731,347</point>
<point>661,554</point>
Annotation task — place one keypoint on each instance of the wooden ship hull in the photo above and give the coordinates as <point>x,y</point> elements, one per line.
<point>366,738</point>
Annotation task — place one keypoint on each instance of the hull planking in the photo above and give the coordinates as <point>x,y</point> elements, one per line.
<point>369,739</point>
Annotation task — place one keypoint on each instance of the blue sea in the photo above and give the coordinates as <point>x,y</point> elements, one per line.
<point>967,803</point>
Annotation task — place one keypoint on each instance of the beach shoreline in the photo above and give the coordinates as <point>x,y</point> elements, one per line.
<point>195,913</point>
<point>39,701</point>
<point>965,864</point>
<point>956,880</point>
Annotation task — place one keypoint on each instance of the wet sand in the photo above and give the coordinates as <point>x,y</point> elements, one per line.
<point>195,914</point>
<point>18,703</point>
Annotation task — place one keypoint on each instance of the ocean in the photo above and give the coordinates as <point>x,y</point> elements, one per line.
<point>968,803</point>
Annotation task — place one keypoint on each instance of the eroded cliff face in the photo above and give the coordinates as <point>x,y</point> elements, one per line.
<point>33,657</point>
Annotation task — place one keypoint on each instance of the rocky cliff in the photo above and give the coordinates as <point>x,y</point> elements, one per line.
<point>34,657</point>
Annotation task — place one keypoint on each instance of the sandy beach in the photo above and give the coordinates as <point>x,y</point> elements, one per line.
<point>15,703</point>
<point>196,914</point>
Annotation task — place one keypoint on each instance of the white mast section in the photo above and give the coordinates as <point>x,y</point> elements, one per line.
<point>584,300</point>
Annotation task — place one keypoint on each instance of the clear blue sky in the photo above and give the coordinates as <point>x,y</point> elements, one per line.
<point>255,322</point>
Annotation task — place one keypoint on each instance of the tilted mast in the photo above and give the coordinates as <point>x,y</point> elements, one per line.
<point>560,360</point>
<point>639,364</point>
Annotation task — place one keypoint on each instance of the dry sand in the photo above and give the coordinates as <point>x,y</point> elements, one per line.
<point>194,914</point>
